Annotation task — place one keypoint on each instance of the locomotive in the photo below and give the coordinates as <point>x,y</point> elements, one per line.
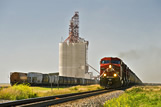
<point>115,73</point>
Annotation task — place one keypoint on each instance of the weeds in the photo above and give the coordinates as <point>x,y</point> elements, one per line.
<point>74,88</point>
<point>17,92</point>
<point>134,90</point>
<point>24,91</point>
<point>136,97</point>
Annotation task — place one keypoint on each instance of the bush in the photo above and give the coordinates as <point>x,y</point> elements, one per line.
<point>17,92</point>
<point>74,88</point>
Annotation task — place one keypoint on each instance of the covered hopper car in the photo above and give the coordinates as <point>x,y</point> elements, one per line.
<point>39,79</point>
<point>115,73</point>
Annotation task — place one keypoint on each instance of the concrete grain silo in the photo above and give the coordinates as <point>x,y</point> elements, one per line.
<point>73,52</point>
<point>72,59</point>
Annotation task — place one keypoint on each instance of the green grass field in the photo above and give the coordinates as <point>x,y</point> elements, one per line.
<point>140,96</point>
<point>23,91</point>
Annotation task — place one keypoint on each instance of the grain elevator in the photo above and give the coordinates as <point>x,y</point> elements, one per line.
<point>73,52</point>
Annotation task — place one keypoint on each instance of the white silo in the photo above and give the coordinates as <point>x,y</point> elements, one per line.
<point>72,59</point>
<point>73,52</point>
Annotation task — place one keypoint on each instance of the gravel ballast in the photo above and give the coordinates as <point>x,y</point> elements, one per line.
<point>94,101</point>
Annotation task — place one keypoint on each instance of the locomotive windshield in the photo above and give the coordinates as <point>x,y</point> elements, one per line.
<point>110,61</point>
<point>105,62</point>
<point>115,62</point>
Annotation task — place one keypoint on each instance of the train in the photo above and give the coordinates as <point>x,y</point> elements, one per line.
<point>40,79</point>
<point>115,73</point>
<point>18,77</point>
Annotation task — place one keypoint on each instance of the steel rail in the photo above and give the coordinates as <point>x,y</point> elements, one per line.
<point>65,99</point>
<point>39,99</point>
<point>52,100</point>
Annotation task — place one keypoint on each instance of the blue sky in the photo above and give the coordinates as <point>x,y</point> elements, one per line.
<point>30,31</point>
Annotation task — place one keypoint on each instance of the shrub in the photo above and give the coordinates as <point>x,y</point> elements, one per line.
<point>74,88</point>
<point>17,92</point>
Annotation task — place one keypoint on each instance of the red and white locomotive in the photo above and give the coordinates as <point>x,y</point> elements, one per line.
<point>115,73</point>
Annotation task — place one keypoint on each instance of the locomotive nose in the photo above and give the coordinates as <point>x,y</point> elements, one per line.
<point>110,69</point>
<point>109,81</point>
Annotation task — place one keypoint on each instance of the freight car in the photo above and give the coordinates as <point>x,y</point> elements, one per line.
<point>115,73</point>
<point>34,78</point>
<point>55,80</point>
<point>39,79</point>
<point>18,78</point>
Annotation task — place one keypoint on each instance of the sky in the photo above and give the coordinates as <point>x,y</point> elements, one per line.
<point>31,30</point>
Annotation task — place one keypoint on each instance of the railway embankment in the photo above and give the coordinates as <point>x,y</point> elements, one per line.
<point>144,96</point>
<point>93,101</point>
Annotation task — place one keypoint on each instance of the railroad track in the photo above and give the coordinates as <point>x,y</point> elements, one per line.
<point>52,100</point>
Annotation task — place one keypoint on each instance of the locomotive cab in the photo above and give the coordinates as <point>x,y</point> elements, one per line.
<point>110,72</point>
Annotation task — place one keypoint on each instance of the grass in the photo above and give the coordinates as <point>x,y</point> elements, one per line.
<point>24,91</point>
<point>140,96</point>
<point>17,92</point>
<point>41,91</point>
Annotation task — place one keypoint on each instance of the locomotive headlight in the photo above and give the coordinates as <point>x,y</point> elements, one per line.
<point>115,75</point>
<point>104,75</point>
<point>110,66</point>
